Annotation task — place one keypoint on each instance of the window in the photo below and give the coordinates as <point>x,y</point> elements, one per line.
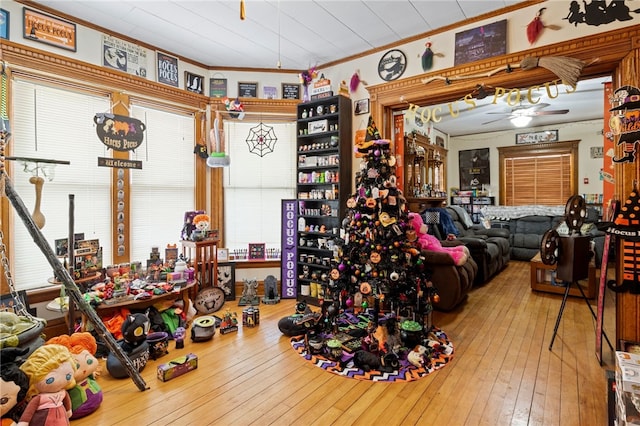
<point>543,174</point>
<point>164,189</point>
<point>254,186</point>
<point>56,124</point>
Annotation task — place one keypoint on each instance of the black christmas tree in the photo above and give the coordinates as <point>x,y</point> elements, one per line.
<point>379,268</point>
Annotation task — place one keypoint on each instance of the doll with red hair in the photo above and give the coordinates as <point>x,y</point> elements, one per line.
<point>425,241</point>
<point>201,223</point>
<point>86,396</point>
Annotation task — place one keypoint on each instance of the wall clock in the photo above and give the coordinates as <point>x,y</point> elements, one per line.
<point>392,65</point>
<point>209,300</point>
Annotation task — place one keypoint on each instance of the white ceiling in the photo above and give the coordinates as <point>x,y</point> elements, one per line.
<point>301,33</point>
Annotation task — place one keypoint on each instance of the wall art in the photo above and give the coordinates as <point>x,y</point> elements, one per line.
<point>48,29</point>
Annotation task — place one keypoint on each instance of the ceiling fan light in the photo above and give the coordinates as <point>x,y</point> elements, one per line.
<point>521,120</point>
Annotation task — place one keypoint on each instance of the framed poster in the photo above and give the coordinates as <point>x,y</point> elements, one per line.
<point>474,168</point>
<point>290,91</point>
<point>361,107</point>
<point>124,56</point>
<point>193,83</point>
<point>537,137</point>
<point>48,29</point>
<point>482,42</point>
<point>4,24</point>
<point>257,251</point>
<point>217,87</point>
<point>167,69</point>
<point>247,89</point>
<point>223,255</point>
<point>270,92</point>
<point>227,279</point>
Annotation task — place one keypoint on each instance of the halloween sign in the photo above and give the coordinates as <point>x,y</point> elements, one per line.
<point>625,122</point>
<point>119,132</point>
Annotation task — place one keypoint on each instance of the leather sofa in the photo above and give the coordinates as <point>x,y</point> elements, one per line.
<point>527,232</point>
<point>453,282</point>
<point>489,248</point>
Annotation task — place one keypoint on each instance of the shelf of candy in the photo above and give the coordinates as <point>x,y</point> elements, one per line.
<point>315,161</point>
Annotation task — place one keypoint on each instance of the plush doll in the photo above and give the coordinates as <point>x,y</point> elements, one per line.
<point>86,396</point>
<point>460,254</point>
<point>15,385</point>
<point>51,370</point>
<point>134,344</point>
<point>201,222</point>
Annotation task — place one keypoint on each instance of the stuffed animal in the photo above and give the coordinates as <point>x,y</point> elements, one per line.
<point>86,396</point>
<point>51,370</point>
<point>15,385</point>
<point>367,361</point>
<point>201,223</point>
<point>460,254</point>
<point>134,330</point>
<point>419,357</point>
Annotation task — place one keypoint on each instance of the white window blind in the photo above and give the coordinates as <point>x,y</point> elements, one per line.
<point>56,124</point>
<point>254,186</point>
<point>164,189</point>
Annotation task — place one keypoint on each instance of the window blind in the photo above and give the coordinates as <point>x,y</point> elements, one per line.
<point>56,124</point>
<point>164,189</point>
<point>254,186</point>
<point>544,180</point>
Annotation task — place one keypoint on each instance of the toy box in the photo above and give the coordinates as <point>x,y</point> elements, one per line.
<point>177,367</point>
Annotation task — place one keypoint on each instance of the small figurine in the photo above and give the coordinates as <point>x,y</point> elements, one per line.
<point>201,223</point>
<point>270,290</point>
<point>249,293</point>
<point>51,371</point>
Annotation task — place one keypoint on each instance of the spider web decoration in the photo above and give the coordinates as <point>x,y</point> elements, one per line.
<point>261,140</point>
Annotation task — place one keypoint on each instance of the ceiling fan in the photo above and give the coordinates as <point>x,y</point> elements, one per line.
<point>521,115</point>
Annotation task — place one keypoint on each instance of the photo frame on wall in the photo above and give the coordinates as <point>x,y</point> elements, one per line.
<point>290,91</point>
<point>474,168</point>
<point>543,136</point>
<point>217,87</point>
<point>48,29</point>
<point>227,280</point>
<point>4,24</point>
<point>167,69</point>
<point>247,89</point>
<point>482,42</point>
<point>193,82</point>
<point>361,107</point>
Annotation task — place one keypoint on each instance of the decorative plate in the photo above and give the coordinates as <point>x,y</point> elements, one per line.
<point>392,65</point>
<point>209,300</point>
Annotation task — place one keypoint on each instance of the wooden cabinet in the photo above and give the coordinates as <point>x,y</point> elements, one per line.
<point>425,179</point>
<point>323,186</point>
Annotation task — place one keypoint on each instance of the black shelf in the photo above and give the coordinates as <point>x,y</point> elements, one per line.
<point>332,156</point>
<point>473,204</point>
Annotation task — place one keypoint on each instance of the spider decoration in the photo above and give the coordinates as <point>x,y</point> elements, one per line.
<point>261,140</point>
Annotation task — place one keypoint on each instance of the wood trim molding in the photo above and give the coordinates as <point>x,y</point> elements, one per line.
<point>602,53</point>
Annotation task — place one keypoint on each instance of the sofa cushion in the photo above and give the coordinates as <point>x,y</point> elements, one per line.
<point>531,225</point>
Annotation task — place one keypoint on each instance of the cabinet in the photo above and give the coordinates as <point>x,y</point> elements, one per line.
<point>472,204</point>
<point>425,172</point>
<point>324,183</point>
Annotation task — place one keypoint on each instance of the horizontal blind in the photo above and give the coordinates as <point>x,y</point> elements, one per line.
<point>254,186</point>
<point>544,180</point>
<point>56,124</point>
<point>165,187</point>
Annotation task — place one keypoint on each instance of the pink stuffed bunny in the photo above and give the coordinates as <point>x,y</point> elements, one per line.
<point>460,253</point>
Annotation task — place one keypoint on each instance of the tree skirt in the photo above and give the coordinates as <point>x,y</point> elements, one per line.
<point>406,373</point>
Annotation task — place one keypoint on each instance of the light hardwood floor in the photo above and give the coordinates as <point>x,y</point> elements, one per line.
<point>502,373</point>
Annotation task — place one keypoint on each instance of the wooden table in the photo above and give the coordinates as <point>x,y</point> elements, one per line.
<point>541,282</point>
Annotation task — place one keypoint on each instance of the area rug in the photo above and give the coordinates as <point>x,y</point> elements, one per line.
<point>406,373</point>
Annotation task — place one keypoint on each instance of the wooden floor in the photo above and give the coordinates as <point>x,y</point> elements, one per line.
<point>502,373</point>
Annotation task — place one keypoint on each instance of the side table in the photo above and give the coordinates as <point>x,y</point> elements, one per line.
<point>541,282</point>
<point>204,258</point>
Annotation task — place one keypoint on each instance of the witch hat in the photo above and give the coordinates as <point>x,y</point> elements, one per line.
<point>629,96</point>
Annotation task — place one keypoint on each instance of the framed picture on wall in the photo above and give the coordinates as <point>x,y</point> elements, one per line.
<point>227,280</point>
<point>48,29</point>
<point>4,24</point>
<point>193,82</point>
<point>474,168</point>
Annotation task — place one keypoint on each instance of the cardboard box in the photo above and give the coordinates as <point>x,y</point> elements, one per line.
<point>627,358</point>
<point>177,367</point>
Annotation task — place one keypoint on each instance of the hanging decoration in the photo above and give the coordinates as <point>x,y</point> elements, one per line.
<point>598,12</point>
<point>427,57</point>
<point>218,157</point>
<point>566,68</point>
<point>355,81</point>
<point>535,27</point>
<point>261,140</point>
<point>624,122</point>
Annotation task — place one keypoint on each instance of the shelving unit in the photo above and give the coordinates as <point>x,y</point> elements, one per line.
<point>425,172</point>
<point>324,184</point>
<point>472,204</point>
